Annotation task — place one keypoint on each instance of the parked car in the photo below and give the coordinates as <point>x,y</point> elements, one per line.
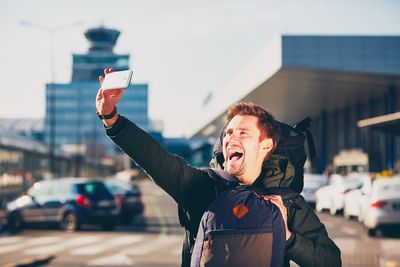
<point>381,204</point>
<point>312,182</point>
<point>331,197</point>
<point>127,198</point>
<point>70,202</point>
<point>352,202</point>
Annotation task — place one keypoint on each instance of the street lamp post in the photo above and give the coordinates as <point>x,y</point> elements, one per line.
<point>52,96</point>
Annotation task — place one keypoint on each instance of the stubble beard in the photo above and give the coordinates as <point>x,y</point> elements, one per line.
<point>237,171</point>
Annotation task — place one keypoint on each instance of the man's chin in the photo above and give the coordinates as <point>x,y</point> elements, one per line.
<point>233,171</point>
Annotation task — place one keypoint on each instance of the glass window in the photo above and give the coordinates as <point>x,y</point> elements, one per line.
<point>92,189</point>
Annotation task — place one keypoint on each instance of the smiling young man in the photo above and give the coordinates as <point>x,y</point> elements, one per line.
<point>250,137</point>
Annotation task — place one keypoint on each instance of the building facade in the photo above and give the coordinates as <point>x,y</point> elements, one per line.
<point>338,81</point>
<point>71,121</point>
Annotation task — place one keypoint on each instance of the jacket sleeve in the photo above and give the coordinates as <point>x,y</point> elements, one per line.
<point>311,245</point>
<point>181,181</point>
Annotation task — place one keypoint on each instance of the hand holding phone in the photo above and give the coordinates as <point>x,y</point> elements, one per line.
<point>106,99</point>
<point>117,80</point>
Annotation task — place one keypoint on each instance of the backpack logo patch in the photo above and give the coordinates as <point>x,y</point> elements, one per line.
<point>240,210</point>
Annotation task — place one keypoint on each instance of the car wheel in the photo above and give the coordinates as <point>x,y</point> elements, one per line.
<point>70,222</point>
<point>108,225</point>
<point>318,207</point>
<point>332,209</point>
<point>360,217</point>
<point>372,232</point>
<point>126,220</point>
<point>346,214</point>
<point>15,222</point>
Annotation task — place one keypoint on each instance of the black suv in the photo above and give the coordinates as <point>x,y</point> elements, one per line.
<point>127,198</point>
<point>67,201</point>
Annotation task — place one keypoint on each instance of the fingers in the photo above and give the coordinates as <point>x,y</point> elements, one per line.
<point>99,95</point>
<point>115,91</point>
<point>112,96</point>
<point>108,70</point>
<point>277,200</point>
<point>274,198</point>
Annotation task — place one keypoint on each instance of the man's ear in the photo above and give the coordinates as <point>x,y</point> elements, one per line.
<point>267,144</point>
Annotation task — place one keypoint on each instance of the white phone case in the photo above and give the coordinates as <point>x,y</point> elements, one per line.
<point>117,80</point>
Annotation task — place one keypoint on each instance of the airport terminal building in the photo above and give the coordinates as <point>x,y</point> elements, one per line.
<point>71,120</point>
<point>348,85</point>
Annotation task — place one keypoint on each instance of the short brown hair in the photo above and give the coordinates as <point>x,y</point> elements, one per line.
<point>266,122</point>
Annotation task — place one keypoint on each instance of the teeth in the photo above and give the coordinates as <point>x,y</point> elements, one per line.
<point>233,150</point>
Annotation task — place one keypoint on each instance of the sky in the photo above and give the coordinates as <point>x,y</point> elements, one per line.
<point>183,49</point>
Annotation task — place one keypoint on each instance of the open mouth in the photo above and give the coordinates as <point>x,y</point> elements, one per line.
<point>234,155</point>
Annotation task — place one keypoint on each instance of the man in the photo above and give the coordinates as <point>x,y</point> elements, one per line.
<point>250,137</point>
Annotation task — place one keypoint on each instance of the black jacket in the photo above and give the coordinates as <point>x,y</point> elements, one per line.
<point>193,190</point>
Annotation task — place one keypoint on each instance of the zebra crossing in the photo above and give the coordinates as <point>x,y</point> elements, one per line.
<point>117,249</point>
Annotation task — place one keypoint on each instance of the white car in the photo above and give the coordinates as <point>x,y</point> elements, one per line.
<point>381,205</point>
<point>331,197</point>
<point>353,200</point>
<point>312,182</point>
<point>352,204</point>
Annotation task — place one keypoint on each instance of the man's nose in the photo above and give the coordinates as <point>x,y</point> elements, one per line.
<point>233,136</point>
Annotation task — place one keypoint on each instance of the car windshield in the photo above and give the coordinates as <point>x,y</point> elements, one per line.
<point>117,186</point>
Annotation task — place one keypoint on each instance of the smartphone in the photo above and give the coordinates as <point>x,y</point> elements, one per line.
<point>117,80</point>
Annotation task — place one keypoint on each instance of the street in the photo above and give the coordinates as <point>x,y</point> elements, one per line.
<point>156,239</point>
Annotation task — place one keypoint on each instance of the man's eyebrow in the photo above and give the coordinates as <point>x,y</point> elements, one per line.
<point>241,129</point>
<point>244,129</point>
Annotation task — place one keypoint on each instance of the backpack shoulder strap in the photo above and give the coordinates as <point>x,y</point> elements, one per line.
<point>222,180</point>
<point>289,195</point>
<point>304,127</point>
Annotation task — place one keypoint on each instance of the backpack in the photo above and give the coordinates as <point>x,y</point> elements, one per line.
<point>240,228</point>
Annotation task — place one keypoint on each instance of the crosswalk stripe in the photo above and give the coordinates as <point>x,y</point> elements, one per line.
<point>116,242</point>
<point>116,259</point>
<point>9,239</point>
<point>11,248</point>
<point>153,245</point>
<point>43,240</point>
<point>78,241</point>
<point>26,243</point>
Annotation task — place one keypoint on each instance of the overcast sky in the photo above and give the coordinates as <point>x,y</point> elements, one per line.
<point>183,49</point>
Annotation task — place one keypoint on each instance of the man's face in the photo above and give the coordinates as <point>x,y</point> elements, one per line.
<point>243,150</point>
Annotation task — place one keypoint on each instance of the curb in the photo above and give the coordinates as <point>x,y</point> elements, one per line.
<point>36,261</point>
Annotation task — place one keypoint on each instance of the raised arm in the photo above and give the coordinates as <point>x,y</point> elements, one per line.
<point>169,171</point>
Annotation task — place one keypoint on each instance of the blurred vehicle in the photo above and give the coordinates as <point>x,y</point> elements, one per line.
<point>350,161</point>
<point>70,202</point>
<point>127,198</point>
<point>352,204</point>
<point>353,200</point>
<point>312,182</point>
<point>381,204</point>
<point>331,197</point>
